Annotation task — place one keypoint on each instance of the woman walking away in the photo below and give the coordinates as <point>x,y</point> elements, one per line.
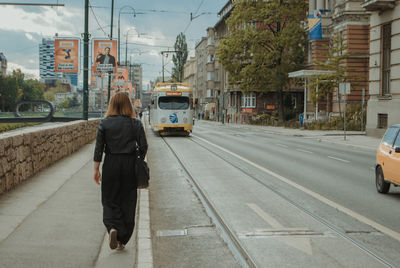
<point>118,135</point>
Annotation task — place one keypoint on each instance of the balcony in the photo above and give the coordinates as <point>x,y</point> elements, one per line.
<point>378,5</point>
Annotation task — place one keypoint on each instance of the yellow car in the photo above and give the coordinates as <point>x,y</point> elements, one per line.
<point>387,169</point>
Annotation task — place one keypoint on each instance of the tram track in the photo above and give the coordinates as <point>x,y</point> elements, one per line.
<point>229,236</point>
<point>313,215</point>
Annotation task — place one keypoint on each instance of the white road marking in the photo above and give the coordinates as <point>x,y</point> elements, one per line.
<point>321,198</point>
<point>304,151</point>
<point>300,243</point>
<point>338,159</point>
<point>282,145</point>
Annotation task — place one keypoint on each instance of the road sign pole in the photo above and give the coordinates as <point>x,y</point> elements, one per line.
<point>362,109</point>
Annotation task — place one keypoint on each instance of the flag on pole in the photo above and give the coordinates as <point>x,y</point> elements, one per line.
<point>314,26</point>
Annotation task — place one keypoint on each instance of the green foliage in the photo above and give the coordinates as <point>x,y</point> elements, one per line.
<point>32,90</point>
<point>266,41</point>
<point>179,59</point>
<point>9,93</point>
<point>353,121</point>
<point>13,88</point>
<point>65,103</point>
<point>10,126</point>
<point>49,95</point>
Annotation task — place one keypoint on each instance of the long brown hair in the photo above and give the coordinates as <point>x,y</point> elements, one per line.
<point>120,104</point>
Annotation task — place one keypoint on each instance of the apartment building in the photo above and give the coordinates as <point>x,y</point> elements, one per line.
<point>384,65</point>
<point>3,64</point>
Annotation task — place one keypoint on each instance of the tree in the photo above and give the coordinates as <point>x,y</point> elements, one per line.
<point>49,95</point>
<point>339,72</point>
<point>32,90</point>
<point>8,92</point>
<point>266,41</point>
<point>179,59</point>
<point>65,103</point>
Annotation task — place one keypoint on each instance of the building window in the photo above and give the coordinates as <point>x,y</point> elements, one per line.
<point>210,93</point>
<point>210,76</point>
<point>382,121</point>
<point>249,100</point>
<point>386,46</point>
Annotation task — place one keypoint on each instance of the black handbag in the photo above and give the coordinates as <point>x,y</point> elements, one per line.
<point>142,172</point>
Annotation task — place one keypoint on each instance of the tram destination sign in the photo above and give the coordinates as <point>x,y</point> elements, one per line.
<point>174,93</point>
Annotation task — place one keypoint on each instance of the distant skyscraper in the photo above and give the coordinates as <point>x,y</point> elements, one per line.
<point>3,64</point>
<point>46,60</point>
<point>46,64</point>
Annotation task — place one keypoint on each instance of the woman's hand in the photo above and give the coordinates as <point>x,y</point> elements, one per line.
<point>97,175</point>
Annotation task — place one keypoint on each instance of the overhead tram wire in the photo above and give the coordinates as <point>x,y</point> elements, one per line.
<point>97,21</point>
<point>195,13</point>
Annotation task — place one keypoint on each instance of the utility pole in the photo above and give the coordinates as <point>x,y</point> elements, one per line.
<point>86,62</point>
<point>111,32</point>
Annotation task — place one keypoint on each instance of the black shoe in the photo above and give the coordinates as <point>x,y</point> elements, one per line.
<point>113,238</point>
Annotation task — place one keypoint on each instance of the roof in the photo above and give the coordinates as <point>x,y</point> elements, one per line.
<point>307,73</point>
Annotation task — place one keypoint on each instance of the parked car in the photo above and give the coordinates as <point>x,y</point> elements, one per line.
<point>387,169</point>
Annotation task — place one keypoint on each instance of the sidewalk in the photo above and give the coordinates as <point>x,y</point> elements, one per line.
<point>55,220</point>
<point>356,139</point>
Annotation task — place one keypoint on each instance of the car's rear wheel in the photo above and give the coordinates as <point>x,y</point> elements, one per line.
<point>381,185</point>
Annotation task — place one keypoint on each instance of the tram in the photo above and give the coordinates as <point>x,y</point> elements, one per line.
<point>171,108</point>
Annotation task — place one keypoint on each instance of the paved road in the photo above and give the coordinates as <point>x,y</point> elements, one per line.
<point>294,196</point>
<point>342,174</point>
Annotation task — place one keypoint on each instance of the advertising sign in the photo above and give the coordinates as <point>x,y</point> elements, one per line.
<point>104,55</point>
<point>120,81</point>
<point>247,110</point>
<point>66,55</point>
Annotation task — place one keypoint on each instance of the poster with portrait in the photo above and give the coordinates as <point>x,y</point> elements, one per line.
<point>66,55</point>
<point>104,56</point>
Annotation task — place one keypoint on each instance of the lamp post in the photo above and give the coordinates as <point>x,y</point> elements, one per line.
<point>119,22</point>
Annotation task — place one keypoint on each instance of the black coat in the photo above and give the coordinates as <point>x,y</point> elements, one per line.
<point>119,135</point>
<point>101,58</point>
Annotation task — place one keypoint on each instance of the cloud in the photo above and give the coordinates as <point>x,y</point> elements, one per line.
<point>29,73</point>
<point>48,22</point>
<point>30,37</point>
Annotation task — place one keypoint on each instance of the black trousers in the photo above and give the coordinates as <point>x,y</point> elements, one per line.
<point>119,194</point>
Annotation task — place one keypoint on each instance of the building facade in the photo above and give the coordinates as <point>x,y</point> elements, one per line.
<point>205,95</point>
<point>347,20</point>
<point>384,66</point>
<point>3,64</point>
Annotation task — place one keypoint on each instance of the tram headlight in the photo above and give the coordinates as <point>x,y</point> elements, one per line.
<point>185,120</point>
<point>163,119</point>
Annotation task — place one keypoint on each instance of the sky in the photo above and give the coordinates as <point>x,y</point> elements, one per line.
<point>153,29</point>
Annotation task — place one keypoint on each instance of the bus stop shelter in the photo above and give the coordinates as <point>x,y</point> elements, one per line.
<point>306,75</point>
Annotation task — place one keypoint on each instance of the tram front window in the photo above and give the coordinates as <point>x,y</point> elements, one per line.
<point>173,103</point>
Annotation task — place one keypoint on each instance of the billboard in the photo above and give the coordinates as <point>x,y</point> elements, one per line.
<point>120,81</point>
<point>104,56</point>
<point>66,55</point>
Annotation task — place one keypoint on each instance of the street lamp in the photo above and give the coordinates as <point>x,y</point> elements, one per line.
<point>119,18</point>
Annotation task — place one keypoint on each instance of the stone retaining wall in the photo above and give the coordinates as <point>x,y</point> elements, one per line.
<point>25,152</point>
